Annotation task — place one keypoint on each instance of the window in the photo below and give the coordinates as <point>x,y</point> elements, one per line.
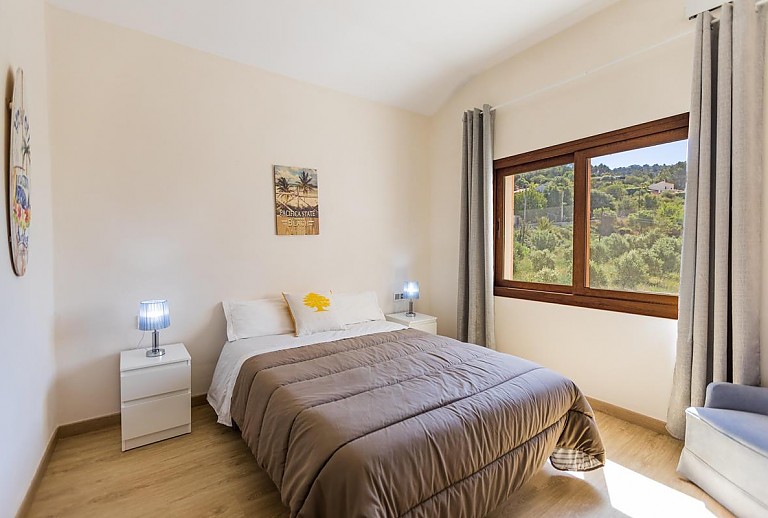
<point>596,222</point>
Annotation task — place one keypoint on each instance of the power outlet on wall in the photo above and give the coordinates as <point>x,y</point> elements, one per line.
<point>398,296</point>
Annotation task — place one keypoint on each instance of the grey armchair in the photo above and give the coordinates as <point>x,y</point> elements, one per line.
<point>726,447</point>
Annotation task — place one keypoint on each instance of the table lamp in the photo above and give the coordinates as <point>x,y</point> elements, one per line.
<point>154,315</point>
<point>411,293</point>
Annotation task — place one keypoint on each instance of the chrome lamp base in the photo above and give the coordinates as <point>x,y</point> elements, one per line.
<point>410,312</point>
<point>155,351</point>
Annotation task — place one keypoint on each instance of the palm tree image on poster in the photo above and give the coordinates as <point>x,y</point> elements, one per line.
<point>296,205</point>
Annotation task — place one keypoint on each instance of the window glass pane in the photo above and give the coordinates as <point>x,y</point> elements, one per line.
<point>636,220</point>
<point>539,226</point>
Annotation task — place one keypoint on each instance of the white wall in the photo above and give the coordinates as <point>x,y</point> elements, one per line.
<point>27,402</point>
<point>180,189</point>
<point>163,188</point>
<point>624,359</point>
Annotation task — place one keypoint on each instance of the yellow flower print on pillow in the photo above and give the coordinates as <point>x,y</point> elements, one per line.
<point>317,301</point>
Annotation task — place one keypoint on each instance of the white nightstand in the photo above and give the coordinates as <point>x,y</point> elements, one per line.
<point>155,395</point>
<point>421,321</point>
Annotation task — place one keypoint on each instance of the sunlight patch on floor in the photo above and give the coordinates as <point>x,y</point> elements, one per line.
<point>638,496</point>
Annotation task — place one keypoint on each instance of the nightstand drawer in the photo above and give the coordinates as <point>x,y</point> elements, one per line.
<point>153,415</point>
<point>152,381</point>
<point>429,327</point>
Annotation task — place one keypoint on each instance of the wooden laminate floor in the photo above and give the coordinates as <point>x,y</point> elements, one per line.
<point>211,472</point>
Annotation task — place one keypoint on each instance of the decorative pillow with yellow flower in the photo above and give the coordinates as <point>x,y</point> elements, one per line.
<point>313,312</point>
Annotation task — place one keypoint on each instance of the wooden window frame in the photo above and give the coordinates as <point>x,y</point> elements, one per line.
<point>579,152</point>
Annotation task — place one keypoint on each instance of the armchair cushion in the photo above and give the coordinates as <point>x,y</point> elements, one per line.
<point>726,454</point>
<point>737,397</point>
<point>749,430</point>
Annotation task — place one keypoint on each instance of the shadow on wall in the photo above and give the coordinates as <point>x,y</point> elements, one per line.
<point>204,345</point>
<point>86,382</point>
<point>94,377</point>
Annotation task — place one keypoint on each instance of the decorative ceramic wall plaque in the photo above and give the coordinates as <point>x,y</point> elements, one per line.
<point>18,178</point>
<point>296,206</point>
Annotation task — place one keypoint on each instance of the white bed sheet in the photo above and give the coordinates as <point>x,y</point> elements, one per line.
<point>234,354</point>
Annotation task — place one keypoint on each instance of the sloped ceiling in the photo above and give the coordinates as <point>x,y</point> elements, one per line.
<point>412,54</point>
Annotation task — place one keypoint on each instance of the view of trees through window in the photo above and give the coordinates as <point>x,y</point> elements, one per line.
<point>543,225</point>
<point>636,221</point>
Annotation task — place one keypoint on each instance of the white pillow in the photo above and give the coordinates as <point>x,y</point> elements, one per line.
<point>257,318</point>
<point>313,312</point>
<point>354,308</point>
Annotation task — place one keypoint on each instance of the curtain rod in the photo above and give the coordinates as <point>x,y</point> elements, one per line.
<point>571,79</point>
<point>757,4</point>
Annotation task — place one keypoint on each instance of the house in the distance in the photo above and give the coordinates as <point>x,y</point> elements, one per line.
<point>660,187</point>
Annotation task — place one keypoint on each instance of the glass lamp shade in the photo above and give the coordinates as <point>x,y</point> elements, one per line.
<point>411,290</point>
<point>154,315</point>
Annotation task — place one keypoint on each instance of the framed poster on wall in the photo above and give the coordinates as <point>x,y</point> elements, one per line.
<point>296,204</point>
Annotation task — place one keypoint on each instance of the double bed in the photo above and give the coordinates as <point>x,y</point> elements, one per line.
<point>380,420</point>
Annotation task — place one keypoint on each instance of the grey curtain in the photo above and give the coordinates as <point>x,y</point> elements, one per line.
<point>720,281</point>
<point>475,304</point>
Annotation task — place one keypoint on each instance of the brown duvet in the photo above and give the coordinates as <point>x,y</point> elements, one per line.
<point>407,423</point>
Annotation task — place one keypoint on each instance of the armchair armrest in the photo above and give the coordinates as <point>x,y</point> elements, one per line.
<point>737,397</point>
